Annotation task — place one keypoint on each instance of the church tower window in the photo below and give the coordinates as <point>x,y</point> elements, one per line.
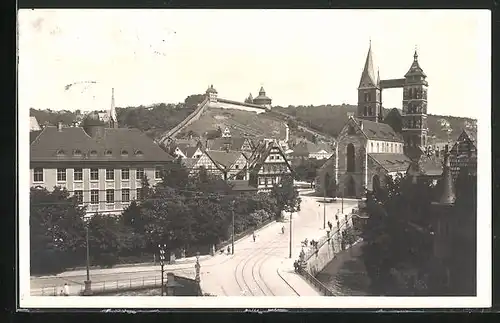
<point>350,157</point>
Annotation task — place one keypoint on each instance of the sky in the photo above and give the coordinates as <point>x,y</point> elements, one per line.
<point>301,57</point>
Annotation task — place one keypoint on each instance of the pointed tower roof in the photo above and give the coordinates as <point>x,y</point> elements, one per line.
<point>448,190</point>
<point>250,97</point>
<point>368,75</point>
<point>112,112</point>
<point>378,76</point>
<point>262,91</point>
<point>415,69</point>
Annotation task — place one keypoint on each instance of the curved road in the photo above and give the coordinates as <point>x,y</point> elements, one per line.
<point>260,268</point>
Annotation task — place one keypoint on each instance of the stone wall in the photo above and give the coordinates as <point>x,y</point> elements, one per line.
<point>317,261</point>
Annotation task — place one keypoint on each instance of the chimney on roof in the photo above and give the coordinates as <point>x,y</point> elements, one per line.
<point>59,126</point>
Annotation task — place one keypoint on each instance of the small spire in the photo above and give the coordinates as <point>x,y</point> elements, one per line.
<point>415,56</point>
<point>378,75</point>
<point>448,193</point>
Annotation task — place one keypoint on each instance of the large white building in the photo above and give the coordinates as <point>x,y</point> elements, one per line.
<point>102,166</point>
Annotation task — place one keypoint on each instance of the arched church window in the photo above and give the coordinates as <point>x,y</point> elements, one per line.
<point>371,111</point>
<point>350,157</point>
<point>365,112</point>
<point>378,148</point>
<point>410,93</point>
<point>371,147</point>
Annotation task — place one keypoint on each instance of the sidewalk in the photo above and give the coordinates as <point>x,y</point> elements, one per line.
<point>302,229</point>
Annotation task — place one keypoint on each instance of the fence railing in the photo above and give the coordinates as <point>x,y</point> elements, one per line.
<point>316,283</point>
<point>310,251</point>
<point>111,286</point>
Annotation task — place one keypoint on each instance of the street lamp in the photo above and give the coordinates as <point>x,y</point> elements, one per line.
<point>88,283</point>
<point>162,263</point>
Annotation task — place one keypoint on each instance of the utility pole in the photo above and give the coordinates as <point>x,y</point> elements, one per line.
<point>88,284</point>
<point>290,255</point>
<point>232,229</point>
<point>162,264</point>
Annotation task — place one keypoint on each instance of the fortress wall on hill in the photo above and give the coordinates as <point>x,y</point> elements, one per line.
<point>228,104</point>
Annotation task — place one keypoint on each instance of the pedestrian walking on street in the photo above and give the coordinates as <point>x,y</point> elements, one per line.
<point>253,235</point>
<point>283,229</point>
<point>228,250</point>
<point>66,289</point>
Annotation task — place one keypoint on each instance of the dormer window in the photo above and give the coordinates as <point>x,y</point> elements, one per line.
<point>93,153</point>
<point>77,152</point>
<point>124,153</point>
<point>60,152</point>
<point>107,153</point>
<point>138,153</point>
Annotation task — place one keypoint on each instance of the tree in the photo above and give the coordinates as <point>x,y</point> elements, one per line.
<point>57,233</point>
<point>146,190</point>
<point>194,100</point>
<point>391,241</point>
<point>108,238</point>
<point>132,218</point>
<point>175,175</point>
<point>286,196</point>
<point>168,219</point>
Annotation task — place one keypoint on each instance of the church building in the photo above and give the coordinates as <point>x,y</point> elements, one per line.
<point>370,147</point>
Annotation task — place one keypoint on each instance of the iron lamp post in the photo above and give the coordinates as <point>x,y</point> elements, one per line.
<point>162,264</point>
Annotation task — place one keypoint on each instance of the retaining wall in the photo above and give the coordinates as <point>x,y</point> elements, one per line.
<point>315,260</point>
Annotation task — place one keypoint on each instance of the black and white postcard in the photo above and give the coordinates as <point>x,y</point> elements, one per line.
<point>254,158</point>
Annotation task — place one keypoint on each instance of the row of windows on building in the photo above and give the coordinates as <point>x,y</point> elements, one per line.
<point>110,196</point>
<point>386,147</point>
<point>93,153</point>
<point>38,174</point>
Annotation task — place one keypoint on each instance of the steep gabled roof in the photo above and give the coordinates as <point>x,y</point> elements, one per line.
<point>223,159</point>
<point>391,162</point>
<point>189,151</point>
<point>378,131</point>
<point>123,143</point>
<point>261,153</point>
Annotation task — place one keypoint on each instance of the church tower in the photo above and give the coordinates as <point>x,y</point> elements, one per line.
<point>415,110</point>
<point>369,100</point>
<point>113,122</point>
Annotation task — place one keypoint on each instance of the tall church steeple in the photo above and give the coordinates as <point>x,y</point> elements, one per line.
<point>369,104</point>
<point>113,122</point>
